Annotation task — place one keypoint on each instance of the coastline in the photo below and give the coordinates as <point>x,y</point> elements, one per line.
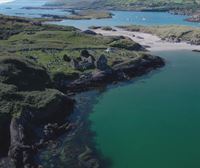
<point>148,40</point>
<point>152,42</point>
<point>24,148</point>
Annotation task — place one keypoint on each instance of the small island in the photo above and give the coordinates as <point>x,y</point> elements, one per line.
<point>89,14</point>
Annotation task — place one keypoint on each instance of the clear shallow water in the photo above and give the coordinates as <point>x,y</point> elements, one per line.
<point>153,122</point>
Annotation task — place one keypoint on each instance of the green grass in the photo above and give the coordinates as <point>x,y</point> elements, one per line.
<point>25,86</point>
<point>49,43</point>
<point>29,52</point>
<point>128,4</point>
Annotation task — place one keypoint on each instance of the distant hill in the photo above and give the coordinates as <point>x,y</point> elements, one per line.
<point>128,4</point>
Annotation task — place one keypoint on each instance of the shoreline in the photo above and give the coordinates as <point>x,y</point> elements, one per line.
<point>49,121</point>
<point>54,130</point>
<point>143,38</point>
<point>151,42</point>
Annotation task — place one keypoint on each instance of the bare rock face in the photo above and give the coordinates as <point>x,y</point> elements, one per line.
<point>54,106</point>
<point>19,151</point>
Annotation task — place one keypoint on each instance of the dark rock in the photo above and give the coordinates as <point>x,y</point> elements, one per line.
<point>29,104</point>
<point>196,50</point>
<point>90,32</point>
<point>121,71</point>
<point>52,131</point>
<point>101,63</point>
<point>85,53</point>
<point>95,27</point>
<point>66,58</point>
<point>86,159</point>
<point>5,135</point>
<point>61,79</point>
<point>6,163</point>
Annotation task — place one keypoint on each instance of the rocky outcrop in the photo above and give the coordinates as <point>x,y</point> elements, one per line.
<point>26,102</point>
<point>101,63</point>
<point>90,32</point>
<point>23,148</point>
<point>127,44</point>
<point>121,71</point>
<point>26,106</point>
<point>20,149</point>
<point>196,50</point>
<point>86,159</point>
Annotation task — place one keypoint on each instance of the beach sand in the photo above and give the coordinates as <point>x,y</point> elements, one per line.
<point>153,42</point>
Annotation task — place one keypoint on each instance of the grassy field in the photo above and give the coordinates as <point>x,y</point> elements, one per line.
<point>32,56</point>
<point>48,44</point>
<point>36,64</point>
<point>128,4</point>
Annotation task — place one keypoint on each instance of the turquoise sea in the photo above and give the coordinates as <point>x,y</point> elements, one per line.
<point>152,121</point>
<point>127,18</point>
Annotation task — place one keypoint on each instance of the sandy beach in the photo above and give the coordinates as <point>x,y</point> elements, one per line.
<point>153,42</point>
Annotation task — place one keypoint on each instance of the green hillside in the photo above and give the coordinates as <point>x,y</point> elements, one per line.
<point>129,4</point>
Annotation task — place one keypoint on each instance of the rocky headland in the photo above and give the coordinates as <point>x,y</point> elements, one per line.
<point>28,101</point>
<point>39,65</point>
